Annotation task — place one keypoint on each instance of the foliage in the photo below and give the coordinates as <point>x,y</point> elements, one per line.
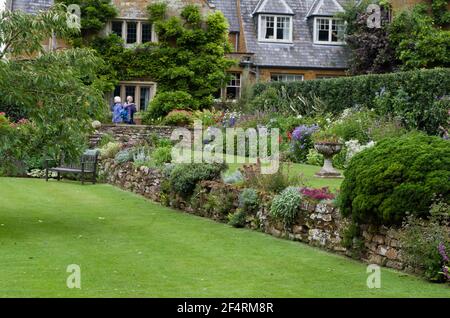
<point>105,139</point>
<point>286,205</point>
<point>418,43</point>
<point>110,150</point>
<point>314,158</point>
<point>94,14</point>
<point>440,12</point>
<point>184,177</point>
<point>279,99</point>
<point>397,176</point>
<point>273,183</point>
<point>237,219</point>
<point>425,242</point>
<point>318,194</point>
<point>370,48</point>
<point>123,156</point>
<point>354,125</point>
<point>192,49</point>
<point>178,118</point>
<point>325,136</point>
<point>140,156</point>
<point>59,91</point>
<point>12,110</point>
<point>414,97</point>
<point>162,155</point>
<point>208,117</point>
<point>249,200</point>
<point>234,178</point>
<point>353,147</point>
<point>301,142</point>
<point>23,34</point>
<point>165,102</point>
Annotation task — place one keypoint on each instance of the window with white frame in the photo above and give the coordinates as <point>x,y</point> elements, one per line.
<point>286,77</point>
<point>233,89</point>
<point>133,32</point>
<point>275,28</point>
<point>329,30</point>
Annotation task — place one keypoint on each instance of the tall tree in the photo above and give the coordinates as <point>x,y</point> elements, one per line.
<point>60,91</point>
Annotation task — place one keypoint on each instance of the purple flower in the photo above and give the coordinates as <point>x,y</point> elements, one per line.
<point>445,272</point>
<point>303,131</point>
<point>441,249</point>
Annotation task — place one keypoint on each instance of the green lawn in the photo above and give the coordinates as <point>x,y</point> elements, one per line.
<point>127,246</point>
<point>306,172</point>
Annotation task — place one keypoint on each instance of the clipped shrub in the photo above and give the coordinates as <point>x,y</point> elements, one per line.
<point>178,118</point>
<point>414,96</point>
<point>123,156</point>
<point>110,150</point>
<point>237,219</point>
<point>184,177</point>
<point>285,206</point>
<point>396,176</point>
<point>165,102</point>
<point>249,200</point>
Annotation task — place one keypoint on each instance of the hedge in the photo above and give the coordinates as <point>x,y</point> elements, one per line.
<point>420,97</point>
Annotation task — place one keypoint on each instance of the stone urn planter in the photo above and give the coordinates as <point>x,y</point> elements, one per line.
<point>328,150</point>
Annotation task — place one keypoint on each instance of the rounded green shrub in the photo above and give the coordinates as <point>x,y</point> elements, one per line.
<point>397,176</point>
<point>184,177</point>
<point>178,118</point>
<point>285,206</point>
<point>237,219</point>
<point>165,102</point>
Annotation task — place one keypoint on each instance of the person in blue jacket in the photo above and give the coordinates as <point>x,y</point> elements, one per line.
<point>117,109</point>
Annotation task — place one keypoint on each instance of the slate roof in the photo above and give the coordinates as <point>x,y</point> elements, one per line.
<point>273,6</point>
<point>30,6</point>
<point>302,53</point>
<point>229,10</point>
<point>325,8</point>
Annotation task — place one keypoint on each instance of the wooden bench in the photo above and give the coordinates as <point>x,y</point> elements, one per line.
<point>87,166</point>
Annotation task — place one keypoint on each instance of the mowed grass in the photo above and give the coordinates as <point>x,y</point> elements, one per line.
<point>128,246</point>
<point>306,174</point>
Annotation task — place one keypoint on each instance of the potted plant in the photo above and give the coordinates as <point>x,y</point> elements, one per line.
<point>138,118</point>
<point>328,144</point>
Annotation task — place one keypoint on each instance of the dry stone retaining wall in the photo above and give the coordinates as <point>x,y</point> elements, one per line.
<point>319,223</point>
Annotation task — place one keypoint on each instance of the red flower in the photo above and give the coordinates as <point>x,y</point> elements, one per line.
<point>289,135</point>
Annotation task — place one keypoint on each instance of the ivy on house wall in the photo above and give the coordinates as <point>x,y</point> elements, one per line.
<point>94,14</point>
<point>189,56</point>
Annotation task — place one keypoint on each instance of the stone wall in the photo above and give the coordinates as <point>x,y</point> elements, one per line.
<point>129,134</point>
<point>318,224</point>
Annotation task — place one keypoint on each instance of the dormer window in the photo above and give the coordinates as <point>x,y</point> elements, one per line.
<point>328,30</point>
<point>274,28</point>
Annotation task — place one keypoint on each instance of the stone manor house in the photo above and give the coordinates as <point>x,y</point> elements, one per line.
<point>272,40</point>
